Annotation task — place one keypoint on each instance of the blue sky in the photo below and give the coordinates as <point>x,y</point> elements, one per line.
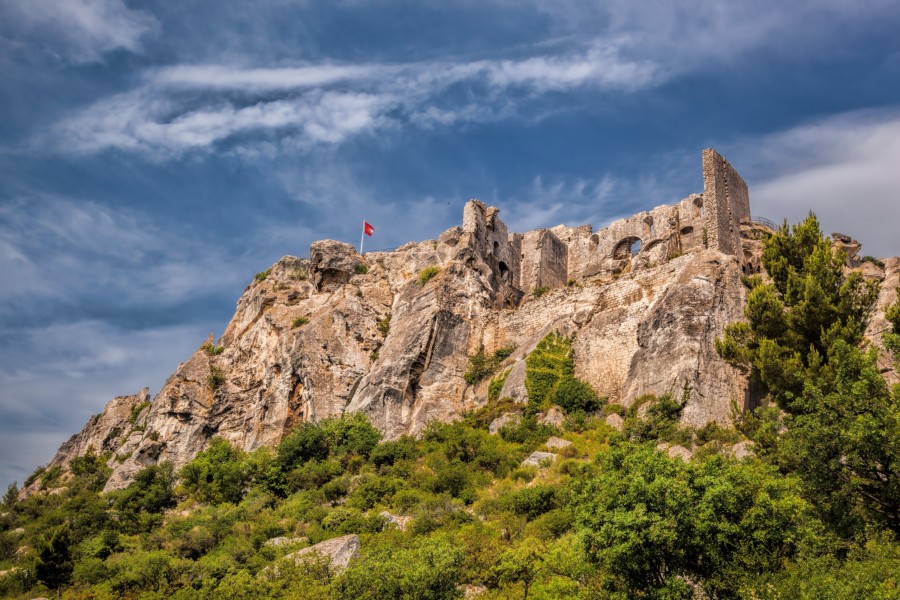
<point>155,155</point>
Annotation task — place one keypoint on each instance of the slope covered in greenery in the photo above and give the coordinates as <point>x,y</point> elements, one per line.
<point>813,515</point>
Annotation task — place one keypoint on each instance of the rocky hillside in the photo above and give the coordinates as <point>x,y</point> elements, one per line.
<point>392,334</point>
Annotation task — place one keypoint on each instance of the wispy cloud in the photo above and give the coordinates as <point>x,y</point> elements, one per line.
<point>76,31</point>
<point>190,107</point>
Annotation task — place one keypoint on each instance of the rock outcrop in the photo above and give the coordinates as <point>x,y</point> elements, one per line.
<point>643,301</point>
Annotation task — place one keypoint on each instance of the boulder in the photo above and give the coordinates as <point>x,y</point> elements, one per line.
<point>615,421</point>
<point>554,416</point>
<point>338,551</point>
<point>503,420</point>
<point>282,541</point>
<point>742,450</point>
<point>537,458</point>
<point>400,522</point>
<point>555,442</point>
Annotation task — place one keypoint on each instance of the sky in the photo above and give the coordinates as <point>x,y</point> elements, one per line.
<point>155,155</point>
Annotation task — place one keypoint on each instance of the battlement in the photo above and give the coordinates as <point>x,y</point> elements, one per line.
<point>551,257</point>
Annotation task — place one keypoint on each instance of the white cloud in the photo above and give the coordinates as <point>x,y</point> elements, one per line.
<point>190,107</point>
<point>844,168</point>
<point>78,31</point>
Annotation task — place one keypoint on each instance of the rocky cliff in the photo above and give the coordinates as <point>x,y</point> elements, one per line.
<point>390,333</point>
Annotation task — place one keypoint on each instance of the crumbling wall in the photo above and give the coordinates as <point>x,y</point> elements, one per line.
<point>726,203</point>
<point>544,261</point>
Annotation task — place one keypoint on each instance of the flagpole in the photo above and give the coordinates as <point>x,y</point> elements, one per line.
<point>362,238</point>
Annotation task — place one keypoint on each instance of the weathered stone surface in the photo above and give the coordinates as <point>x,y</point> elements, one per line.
<point>554,416</point>
<point>675,451</point>
<point>470,590</point>
<point>338,551</point>
<point>878,325</point>
<point>555,442</point>
<point>282,541</point>
<point>536,458</point>
<point>742,450</point>
<point>615,421</point>
<point>503,420</point>
<point>400,522</point>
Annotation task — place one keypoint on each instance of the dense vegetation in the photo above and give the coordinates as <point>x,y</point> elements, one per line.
<point>813,515</point>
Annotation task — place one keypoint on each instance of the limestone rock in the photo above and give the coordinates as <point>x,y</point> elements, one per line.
<point>508,418</point>
<point>400,522</point>
<point>282,541</point>
<point>555,442</point>
<point>878,325</point>
<point>332,264</point>
<point>338,551</point>
<point>615,421</point>
<point>536,458</point>
<point>675,451</point>
<point>554,416</point>
<point>742,450</point>
<point>471,591</point>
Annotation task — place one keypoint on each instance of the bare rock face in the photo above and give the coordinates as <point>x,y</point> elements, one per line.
<point>337,551</point>
<point>878,325</point>
<point>615,421</point>
<point>642,300</point>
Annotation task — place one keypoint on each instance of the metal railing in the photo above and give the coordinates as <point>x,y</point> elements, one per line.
<point>764,222</point>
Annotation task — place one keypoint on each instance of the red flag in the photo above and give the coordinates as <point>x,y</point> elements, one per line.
<point>368,229</point>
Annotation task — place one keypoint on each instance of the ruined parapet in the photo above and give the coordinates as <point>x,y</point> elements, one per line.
<point>545,261</point>
<point>488,237</point>
<point>726,202</point>
<point>647,238</point>
<point>581,249</point>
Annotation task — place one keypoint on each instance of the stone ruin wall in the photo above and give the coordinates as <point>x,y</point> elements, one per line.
<point>552,257</point>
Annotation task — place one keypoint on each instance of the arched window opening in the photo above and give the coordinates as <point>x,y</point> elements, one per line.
<point>687,230</point>
<point>504,271</point>
<point>627,248</point>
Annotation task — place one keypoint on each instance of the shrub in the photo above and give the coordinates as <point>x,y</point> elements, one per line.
<point>136,411</point>
<point>215,379</point>
<point>262,275</point>
<point>306,442</point>
<point>873,260</point>
<point>427,274</point>
<point>212,349</point>
<point>574,395</point>
<point>496,386</point>
<point>216,475</point>
<point>384,324</point>
<point>540,291</point>
<point>481,365</point>
<point>531,502</point>
<point>300,274</point>
<point>361,268</point>
<point>373,355</point>
<point>299,322</point>
<point>550,378</point>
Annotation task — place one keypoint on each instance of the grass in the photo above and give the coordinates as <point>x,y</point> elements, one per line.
<point>427,274</point>
<point>361,268</point>
<point>299,322</point>
<point>540,291</point>
<point>299,274</point>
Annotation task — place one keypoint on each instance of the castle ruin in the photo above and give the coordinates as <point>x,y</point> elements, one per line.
<point>549,258</point>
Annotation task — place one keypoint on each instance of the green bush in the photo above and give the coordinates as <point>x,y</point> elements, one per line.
<point>262,275</point>
<point>532,502</point>
<point>215,378</point>
<point>212,349</point>
<point>427,274</point>
<point>384,324</point>
<point>299,322</point>
<point>482,365</point>
<point>540,291</point>
<point>217,474</point>
<point>361,268</point>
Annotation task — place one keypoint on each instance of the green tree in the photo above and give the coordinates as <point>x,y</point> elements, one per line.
<point>521,564</point>
<point>217,474</point>
<point>54,562</point>
<point>139,506</point>
<point>11,496</point>
<point>838,427</point>
<point>651,522</point>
